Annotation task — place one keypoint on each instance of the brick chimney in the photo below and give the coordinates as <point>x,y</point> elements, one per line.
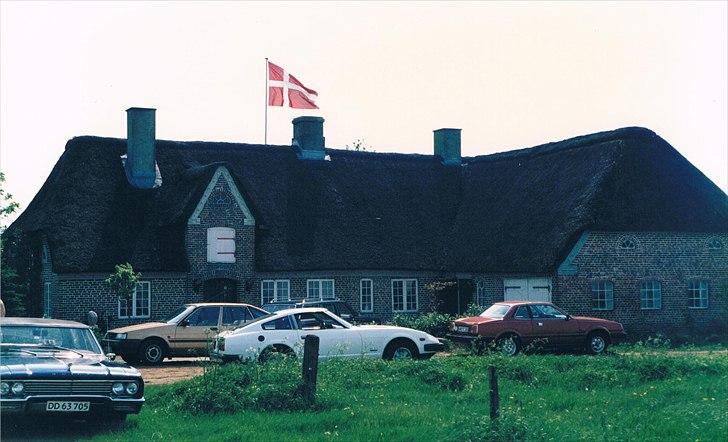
<point>308,138</point>
<point>447,146</point>
<point>140,164</point>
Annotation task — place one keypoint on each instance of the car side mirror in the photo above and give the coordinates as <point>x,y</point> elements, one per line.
<point>184,323</point>
<point>327,325</point>
<point>568,317</point>
<point>111,356</point>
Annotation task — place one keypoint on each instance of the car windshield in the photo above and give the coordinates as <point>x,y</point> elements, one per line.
<point>76,339</point>
<point>178,314</point>
<point>496,311</point>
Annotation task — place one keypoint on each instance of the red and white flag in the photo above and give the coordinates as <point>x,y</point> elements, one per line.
<point>285,90</point>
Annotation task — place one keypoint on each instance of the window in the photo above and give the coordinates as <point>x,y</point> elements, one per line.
<point>698,294</point>
<point>204,317</point>
<point>47,304</point>
<point>714,244</point>
<point>404,295</point>
<point>320,289</point>
<point>272,290</point>
<point>480,295</point>
<point>139,305</point>
<point>602,295</point>
<point>235,315</point>
<point>522,313</point>
<point>651,295</point>
<point>627,243</point>
<point>317,321</point>
<point>366,294</point>
<point>283,323</point>
<point>544,311</point>
<point>220,244</point>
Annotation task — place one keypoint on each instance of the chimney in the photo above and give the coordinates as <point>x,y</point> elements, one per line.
<point>308,138</point>
<point>447,146</point>
<point>140,165</point>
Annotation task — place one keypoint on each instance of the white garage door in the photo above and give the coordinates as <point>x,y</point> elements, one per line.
<point>527,289</point>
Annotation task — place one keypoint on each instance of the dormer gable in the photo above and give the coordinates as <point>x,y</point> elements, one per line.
<point>222,177</point>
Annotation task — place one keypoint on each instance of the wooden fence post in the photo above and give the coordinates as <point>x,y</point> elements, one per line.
<point>494,398</point>
<point>310,367</point>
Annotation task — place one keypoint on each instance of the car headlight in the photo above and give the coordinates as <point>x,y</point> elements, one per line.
<point>132,388</point>
<point>119,336</point>
<point>4,388</point>
<point>117,388</point>
<point>18,388</point>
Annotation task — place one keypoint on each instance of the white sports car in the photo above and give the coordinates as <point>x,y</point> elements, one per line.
<point>284,331</point>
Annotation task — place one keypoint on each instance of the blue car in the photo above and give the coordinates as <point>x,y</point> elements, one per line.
<point>55,367</point>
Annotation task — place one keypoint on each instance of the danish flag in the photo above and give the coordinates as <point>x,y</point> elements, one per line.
<point>285,90</point>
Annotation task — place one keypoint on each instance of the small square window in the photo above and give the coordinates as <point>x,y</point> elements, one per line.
<point>651,295</point>
<point>602,295</point>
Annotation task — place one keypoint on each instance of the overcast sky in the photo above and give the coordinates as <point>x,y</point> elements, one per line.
<point>510,75</point>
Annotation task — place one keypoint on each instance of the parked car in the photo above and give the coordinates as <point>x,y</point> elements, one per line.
<point>283,332</point>
<point>55,367</point>
<point>337,306</point>
<point>513,325</point>
<point>186,332</point>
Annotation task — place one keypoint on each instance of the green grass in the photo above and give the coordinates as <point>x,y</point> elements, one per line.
<point>543,397</point>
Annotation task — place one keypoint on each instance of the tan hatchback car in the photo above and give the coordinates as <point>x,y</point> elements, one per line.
<point>187,332</point>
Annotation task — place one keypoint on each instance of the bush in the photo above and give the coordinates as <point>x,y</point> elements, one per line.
<point>235,387</point>
<point>436,324</point>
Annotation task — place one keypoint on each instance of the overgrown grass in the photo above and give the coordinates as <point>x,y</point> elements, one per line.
<point>543,397</point>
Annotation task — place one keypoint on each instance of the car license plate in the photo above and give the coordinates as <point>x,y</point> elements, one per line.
<point>463,329</point>
<point>67,406</point>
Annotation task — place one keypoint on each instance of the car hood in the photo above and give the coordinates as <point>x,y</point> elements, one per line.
<point>140,327</point>
<point>473,320</point>
<point>57,366</point>
<point>598,321</point>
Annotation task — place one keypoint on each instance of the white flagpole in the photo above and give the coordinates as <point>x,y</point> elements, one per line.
<point>265,136</point>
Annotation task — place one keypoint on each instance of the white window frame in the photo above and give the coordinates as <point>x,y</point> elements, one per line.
<point>698,290</point>
<point>132,312</point>
<point>651,291</point>
<point>361,295</point>
<point>318,284</point>
<point>278,292</point>
<point>602,292</point>
<point>47,303</point>
<point>221,244</point>
<point>404,282</point>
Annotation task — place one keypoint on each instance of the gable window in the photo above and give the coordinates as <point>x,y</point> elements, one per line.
<point>651,295</point>
<point>47,304</point>
<point>366,293</point>
<point>139,305</point>
<point>220,244</point>
<point>698,294</point>
<point>602,295</point>
<point>272,290</point>
<point>404,295</point>
<point>320,289</point>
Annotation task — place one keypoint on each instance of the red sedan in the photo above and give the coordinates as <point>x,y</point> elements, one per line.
<point>513,325</point>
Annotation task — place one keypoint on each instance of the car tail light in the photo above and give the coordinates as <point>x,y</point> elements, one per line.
<point>474,329</point>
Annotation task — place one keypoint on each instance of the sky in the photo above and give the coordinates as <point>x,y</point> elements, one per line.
<point>510,75</point>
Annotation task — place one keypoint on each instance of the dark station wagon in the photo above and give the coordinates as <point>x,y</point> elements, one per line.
<point>55,367</point>
<point>513,325</point>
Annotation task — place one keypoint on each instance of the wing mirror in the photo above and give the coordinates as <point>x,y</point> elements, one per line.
<point>184,323</point>
<point>327,325</point>
<point>111,356</point>
<point>567,318</point>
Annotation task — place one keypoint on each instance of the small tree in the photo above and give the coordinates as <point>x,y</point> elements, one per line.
<point>12,290</point>
<point>358,145</point>
<point>123,281</point>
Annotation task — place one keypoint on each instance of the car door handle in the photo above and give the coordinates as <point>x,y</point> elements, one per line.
<point>540,324</point>
<point>213,328</point>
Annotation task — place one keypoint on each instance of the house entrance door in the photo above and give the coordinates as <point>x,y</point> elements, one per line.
<point>220,290</point>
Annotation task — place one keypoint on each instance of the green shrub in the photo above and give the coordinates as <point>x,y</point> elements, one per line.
<point>436,324</point>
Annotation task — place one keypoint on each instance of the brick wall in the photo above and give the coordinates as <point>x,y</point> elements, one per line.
<point>673,259</point>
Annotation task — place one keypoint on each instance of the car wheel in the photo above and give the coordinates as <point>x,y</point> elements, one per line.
<point>400,349</point>
<point>597,343</point>
<point>509,345</point>
<point>151,352</point>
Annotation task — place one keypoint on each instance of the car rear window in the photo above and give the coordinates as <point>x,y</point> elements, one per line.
<point>283,323</point>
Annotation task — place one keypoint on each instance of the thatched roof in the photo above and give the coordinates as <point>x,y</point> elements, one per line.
<point>515,212</point>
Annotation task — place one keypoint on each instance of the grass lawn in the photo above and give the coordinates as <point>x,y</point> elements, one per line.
<point>543,397</point>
